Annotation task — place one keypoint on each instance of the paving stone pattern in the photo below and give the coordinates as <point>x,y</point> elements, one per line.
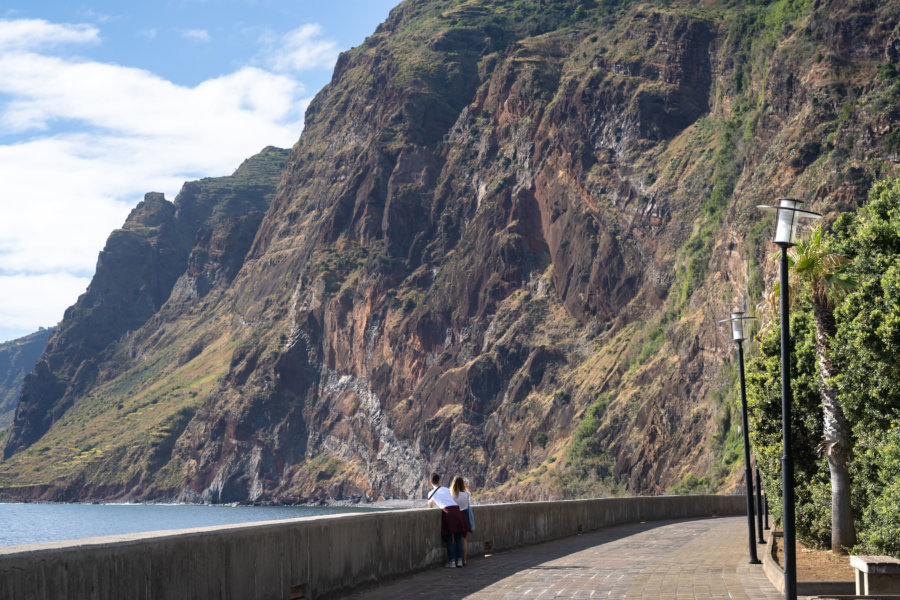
<point>701,558</point>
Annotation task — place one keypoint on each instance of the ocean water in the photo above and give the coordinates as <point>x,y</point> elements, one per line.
<point>31,522</point>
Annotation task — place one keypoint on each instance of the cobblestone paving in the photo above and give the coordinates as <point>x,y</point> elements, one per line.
<point>700,559</point>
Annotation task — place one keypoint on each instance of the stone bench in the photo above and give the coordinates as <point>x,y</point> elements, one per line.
<point>876,575</point>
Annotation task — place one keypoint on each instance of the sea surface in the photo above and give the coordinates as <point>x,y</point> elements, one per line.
<point>32,522</point>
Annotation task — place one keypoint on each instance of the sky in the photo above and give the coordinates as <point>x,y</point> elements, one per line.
<point>101,102</point>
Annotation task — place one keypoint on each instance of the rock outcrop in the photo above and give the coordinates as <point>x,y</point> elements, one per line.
<point>18,358</point>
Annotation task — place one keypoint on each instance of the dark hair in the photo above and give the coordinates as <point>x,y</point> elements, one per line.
<point>435,478</point>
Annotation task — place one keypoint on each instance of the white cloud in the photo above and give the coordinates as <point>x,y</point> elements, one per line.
<point>300,50</point>
<point>198,35</point>
<point>149,33</point>
<point>32,34</point>
<point>90,14</point>
<point>35,296</point>
<point>134,102</point>
<point>127,131</point>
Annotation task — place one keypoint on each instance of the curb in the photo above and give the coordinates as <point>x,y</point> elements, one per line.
<point>804,588</point>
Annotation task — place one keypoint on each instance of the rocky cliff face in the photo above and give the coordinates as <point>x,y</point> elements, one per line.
<point>18,358</point>
<point>499,248</point>
<point>166,257</point>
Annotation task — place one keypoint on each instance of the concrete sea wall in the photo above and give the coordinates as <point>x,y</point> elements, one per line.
<point>311,558</point>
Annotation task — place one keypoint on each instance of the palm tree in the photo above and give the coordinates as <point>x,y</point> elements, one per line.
<point>816,270</point>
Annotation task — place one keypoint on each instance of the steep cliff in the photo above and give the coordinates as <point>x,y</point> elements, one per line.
<point>500,247</point>
<point>17,359</point>
<point>159,267</point>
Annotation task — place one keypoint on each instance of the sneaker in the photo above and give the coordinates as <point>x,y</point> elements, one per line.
<point>459,564</point>
<point>449,564</point>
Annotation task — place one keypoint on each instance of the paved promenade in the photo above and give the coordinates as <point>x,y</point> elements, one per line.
<point>703,558</point>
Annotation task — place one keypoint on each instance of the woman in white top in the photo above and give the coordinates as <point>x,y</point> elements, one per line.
<point>463,497</point>
<point>452,522</point>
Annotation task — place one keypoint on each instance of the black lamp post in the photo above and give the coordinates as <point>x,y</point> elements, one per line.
<point>740,326</point>
<point>759,509</point>
<point>788,220</point>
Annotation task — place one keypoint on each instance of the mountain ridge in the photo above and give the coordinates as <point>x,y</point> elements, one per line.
<point>17,358</point>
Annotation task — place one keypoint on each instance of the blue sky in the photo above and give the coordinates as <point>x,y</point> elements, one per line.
<point>103,101</point>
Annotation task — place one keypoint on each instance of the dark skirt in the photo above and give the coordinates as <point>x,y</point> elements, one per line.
<point>452,521</point>
<point>465,516</point>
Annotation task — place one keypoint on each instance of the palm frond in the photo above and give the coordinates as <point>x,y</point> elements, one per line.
<point>821,271</point>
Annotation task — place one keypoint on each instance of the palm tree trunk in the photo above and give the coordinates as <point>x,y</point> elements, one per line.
<point>837,445</point>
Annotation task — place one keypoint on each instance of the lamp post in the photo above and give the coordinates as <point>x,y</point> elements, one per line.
<point>787,222</point>
<point>740,326</point>
<point>759,509</point>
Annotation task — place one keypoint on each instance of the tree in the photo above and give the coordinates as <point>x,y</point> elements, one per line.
<point>821,274</point>
<point>811,485</point>
<point>866,354</point>
<point>866,350</point>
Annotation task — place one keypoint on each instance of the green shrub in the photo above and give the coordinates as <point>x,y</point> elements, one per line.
<point>812,496</point>
<point>877,478</point>
<point>691,484</point>
<point>865,350</point>
<point>887,71</point>
<point>585,454</point>
<point>561,397</point>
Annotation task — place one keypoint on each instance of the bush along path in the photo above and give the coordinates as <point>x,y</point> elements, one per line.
<point>846,331</point>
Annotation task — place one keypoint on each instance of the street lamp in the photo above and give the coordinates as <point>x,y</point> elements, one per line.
<point>788,220</point>
<point>740,329</point>
<point>759,509</point>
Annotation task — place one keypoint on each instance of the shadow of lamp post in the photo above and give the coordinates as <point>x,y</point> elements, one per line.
<point>787,221</point>
<point>740,328</point>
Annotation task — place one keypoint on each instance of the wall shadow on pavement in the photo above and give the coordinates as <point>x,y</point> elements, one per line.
<point>485,571</point>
